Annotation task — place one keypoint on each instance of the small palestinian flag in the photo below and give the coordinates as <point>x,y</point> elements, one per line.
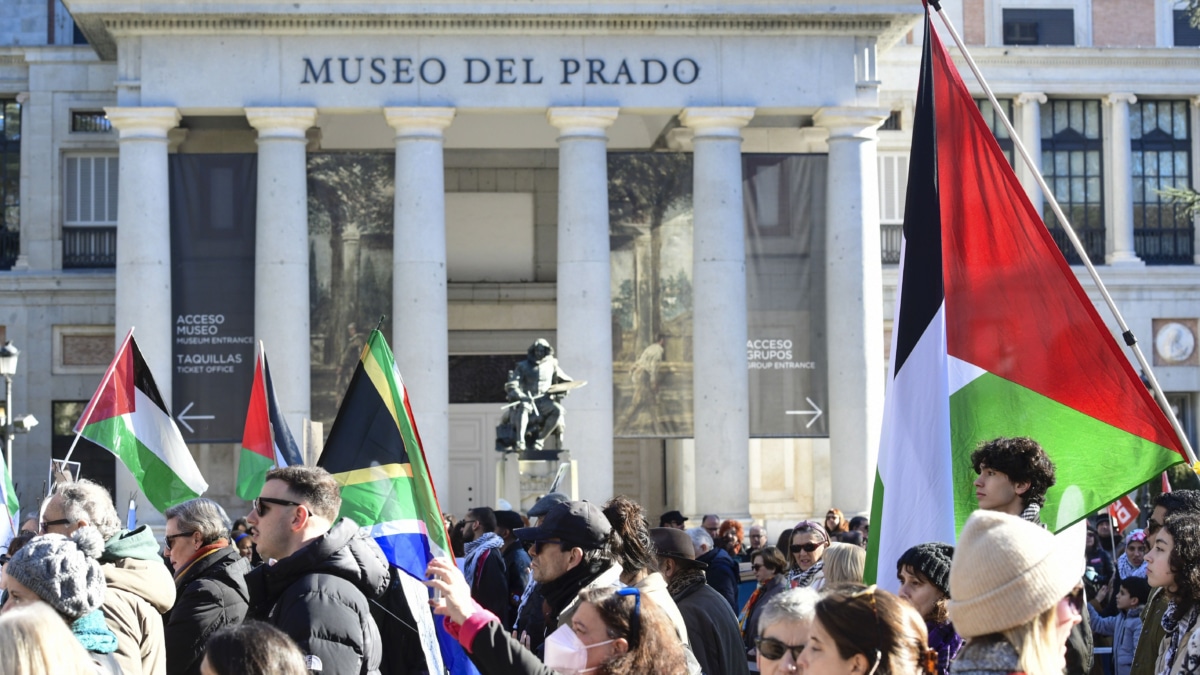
<point>127,417</point>
<point>994,336</point>
<point>267,443</point>
<point>10,507</point>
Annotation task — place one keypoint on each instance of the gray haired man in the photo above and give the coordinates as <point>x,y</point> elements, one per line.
<point>139,588</point>
<point>210,578</point>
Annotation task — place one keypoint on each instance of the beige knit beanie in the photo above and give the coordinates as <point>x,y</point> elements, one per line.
<point>1006,571</point>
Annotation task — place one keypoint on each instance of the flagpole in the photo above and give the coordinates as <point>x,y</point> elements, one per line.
<point>1126,333</point>
<point>87,414</point>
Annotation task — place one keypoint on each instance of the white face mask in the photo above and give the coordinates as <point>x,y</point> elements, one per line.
<point>566,653</point>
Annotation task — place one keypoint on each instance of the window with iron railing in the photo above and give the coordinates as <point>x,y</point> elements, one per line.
<point>10,182</point>
<point>1073,166</point>
<point>90,211</point>
<point>992,117</point>
<point>1161,141</point>
<point>893,186</point>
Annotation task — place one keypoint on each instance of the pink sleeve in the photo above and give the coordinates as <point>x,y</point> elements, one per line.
<point>465,634</point>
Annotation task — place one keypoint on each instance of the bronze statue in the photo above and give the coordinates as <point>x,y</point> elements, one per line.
<point>534,388</point>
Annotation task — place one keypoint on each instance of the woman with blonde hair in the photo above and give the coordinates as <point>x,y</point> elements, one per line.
<point>844,564</point>
<point>1015,595</point>
<point>35,641</point>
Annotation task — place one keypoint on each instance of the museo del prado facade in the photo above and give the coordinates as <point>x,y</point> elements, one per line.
<point>696,203</point>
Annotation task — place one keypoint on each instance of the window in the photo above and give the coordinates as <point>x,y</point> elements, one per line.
<point>10,182</point>
<point>1186,35</point>
<point>1072,163</point>
<point>992,117</point>
<point>90,208</point>
<point>1039,26</point>
<point>97,463</point>
<point>90,122</point>
<point>1160,136</point>
<point>893,188</point>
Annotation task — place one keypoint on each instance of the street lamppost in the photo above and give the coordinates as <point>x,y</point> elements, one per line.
<point>8,368</point>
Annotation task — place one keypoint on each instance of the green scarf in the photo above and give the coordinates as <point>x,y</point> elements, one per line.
<point>93,633</point>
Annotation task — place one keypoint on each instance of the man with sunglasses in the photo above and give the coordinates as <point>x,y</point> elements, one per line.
<point>712,627</point>
<point>320,572</point>
<point>1146,654</point>
<point>572,550</point>
<point>138,587</point>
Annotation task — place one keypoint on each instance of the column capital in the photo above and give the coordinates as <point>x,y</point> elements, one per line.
<point>1028,97</point>
<point>581,121</point>
<point>851,122</point>
<point>716,122</point>
<point>1196,101</point>
<point>1120,97</point>
<point>419,122</point>
<point>138,122</point>
<point>290,123</point>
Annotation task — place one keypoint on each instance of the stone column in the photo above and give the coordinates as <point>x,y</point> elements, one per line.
<point>720,379</point>
<point>1028,109</point>
<point>281,302</point>
<point>584,295</point>
<point>420,337</point>
<point>143,293</point>
<point>854,302</point>
<point>1121,180</point>
<point>143,298</point>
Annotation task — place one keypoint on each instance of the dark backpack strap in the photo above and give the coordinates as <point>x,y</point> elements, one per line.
<point>479,565</point>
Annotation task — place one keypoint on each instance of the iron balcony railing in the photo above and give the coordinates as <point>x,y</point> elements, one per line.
<point>89,247</point>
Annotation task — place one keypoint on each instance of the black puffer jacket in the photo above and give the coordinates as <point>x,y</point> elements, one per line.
<point>320,596</point>
<point>211,594</point>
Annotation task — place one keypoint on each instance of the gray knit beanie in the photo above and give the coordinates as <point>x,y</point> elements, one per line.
<point>1006,571</point>
<point>63,571</point>
<point>931,559</point>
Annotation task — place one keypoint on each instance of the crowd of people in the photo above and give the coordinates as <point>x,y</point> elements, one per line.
<point>574,587</point>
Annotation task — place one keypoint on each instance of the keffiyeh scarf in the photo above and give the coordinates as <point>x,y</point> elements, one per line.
<point>799,579</point>
<point>1177,626</point>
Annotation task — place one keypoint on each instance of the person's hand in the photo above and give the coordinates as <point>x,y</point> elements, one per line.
<point>456,603</point>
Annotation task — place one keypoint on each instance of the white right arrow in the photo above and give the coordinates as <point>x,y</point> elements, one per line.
<point>815,412</point>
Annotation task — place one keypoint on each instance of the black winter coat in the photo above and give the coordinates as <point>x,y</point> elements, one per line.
<point>320,596</point>
<point>723,575</point>
<point>212,594</point>
<point>712,630</point>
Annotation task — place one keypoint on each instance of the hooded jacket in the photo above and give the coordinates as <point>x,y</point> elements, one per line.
<point>320,596</point>
<point>212,595</point>
<point>139,590</point>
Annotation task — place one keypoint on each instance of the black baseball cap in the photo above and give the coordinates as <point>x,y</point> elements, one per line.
<point>671,517</point>
<point>509,520</point>
<point>543,505</point>
<point>579,524</point>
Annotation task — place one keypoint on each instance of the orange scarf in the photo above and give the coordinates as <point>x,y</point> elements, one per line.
<point>203,553</point>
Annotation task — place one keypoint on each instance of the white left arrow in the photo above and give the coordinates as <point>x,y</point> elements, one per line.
<point>815,412</point>
<point>182,417</point>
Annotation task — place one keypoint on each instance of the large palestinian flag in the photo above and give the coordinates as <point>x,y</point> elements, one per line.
<point>10,507</point>
<point>127,417</point>
<point>267,442</point>
<point>994,336</point>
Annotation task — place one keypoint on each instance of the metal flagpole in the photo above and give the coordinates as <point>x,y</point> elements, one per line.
<point>87,415</point>
<point>1126,333</point>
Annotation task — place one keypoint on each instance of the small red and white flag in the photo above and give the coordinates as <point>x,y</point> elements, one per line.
<point>1124,511</point>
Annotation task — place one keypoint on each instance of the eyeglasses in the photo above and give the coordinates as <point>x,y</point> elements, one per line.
<point>773,650</point>
<point>170,538</point>
<point>262,510</point>
<point>538,545</point>
<point>635,621</point>
<point>47,524</point>
<point>869,592</point>
<point>807,548</point>
<point>756,567</point>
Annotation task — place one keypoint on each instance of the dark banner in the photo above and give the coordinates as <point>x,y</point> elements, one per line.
<point>650,240</point>
<point>213,200</point>
<point>785,284</point>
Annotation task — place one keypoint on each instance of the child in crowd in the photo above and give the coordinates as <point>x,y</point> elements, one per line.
<point>1126,627</point>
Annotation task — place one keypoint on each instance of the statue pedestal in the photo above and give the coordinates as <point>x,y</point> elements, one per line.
<point>521,479</point>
